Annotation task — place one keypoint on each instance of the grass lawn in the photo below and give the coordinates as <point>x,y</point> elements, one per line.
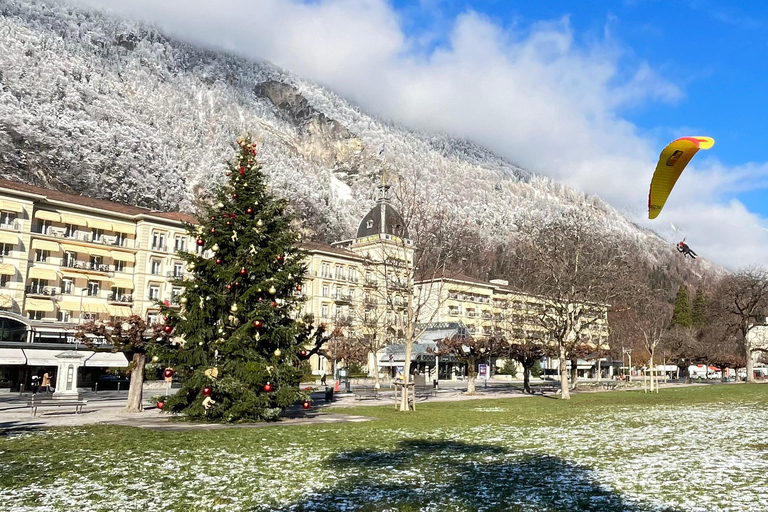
<point>688,449</point>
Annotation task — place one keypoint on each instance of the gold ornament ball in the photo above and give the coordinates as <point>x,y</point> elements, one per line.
<point>200,343</point>
<point>155,359</point>
<point>272,290</point>
<point>277,352</point>
<point>191,267</point>
<point>183,300</point>
<point>233,308</point>
<point>259,223</point>
<point>215,248</point>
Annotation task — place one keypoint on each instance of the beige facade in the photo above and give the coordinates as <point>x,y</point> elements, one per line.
<point>68,259</point>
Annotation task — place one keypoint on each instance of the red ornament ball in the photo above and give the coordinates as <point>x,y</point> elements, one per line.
<point>298,288</point>
<point>234,196</point>
<point>213,230</point>
<point>273,304</point>
<point>237,283</point>
<point>206,391</point>
<point>228,173</point>
<point>249,210</point>
<point>167,373</point>
<point>260,299</point>
<point>279,257</point>
<point>306,404</point>
<point>243,271</point>
<point>229,287</point>
<point>218,261</point>
<point>213,218</point>
<point>229,223</point>
<point>257,324</point>
<point>303,354</point>
<point>160,404</point>
<point>200,241</point>
<point>268,387</point>
<point>242,172</point>
<point>168,329</point>
<point>232,216</point>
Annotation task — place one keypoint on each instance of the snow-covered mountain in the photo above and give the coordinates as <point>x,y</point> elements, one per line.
<point>114,109</point>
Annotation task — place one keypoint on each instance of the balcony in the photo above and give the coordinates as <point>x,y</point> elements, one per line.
<point>341,297</point>
<point>83,236</point>
<point>86,265</point>
<point>46,291</point>
<point>176,274</point>
<point>120,298</point>
<point>487,316</point>
<point>159,248</point>
<point>370,301</point>
<point>454,312</point>
<point>13,225</point>
<point>371,282</point>
<point>472,314</point>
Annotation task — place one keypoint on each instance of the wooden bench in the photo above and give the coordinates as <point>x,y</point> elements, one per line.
<point>35,404</point>
<point>365,392</point>
<point>545,389</point>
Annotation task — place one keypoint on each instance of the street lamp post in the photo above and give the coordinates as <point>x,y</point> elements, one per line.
<point>628,352</point>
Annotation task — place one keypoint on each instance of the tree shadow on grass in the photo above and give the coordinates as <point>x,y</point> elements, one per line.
<point>448,475</point>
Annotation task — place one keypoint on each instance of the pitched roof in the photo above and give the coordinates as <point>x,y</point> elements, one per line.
<point>89,202</point>
<point>318,247</point>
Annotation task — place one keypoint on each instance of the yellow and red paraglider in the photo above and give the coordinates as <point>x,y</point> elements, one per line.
<point>672,162</point>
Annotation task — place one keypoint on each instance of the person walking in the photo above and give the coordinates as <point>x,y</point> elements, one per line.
<point>46,382</point>
<point>323,380</point>
<point>35,385</point>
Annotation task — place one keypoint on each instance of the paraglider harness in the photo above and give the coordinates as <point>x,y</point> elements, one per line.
<point>683,248</point>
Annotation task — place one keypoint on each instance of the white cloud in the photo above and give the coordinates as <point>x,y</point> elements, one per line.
<point>532,95</point>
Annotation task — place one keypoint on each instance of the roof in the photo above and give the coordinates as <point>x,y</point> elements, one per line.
<point>329,249</point>
<point>382,219</point>
<point>89,202</point>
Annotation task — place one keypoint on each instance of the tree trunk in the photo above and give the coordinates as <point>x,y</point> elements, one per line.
<point>406,375</point>
<point>136,389</point>
<point>574,372</point>
<point>472,376</point>
<point>650,366</point>
<point>526,380</point>
<point>565,394</point>
<point>750,365</point>
<point>598,368</point>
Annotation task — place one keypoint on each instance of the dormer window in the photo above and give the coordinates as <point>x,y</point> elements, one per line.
<point>369,224</point>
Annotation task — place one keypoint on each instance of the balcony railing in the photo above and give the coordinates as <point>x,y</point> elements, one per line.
<point>177,274</point>
<point>122,298</point>
<point>83,236</point>
<point>14,225</point>
<point>471,314</point>
<point>159,248</point>
<point>454,312</point>
<point>86,265</point>
<point>48,291</point>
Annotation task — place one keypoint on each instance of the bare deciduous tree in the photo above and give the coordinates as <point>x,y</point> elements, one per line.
<point>471,351</point>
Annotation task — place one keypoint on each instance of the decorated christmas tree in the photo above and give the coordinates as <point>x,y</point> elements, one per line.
<point>239,346</point>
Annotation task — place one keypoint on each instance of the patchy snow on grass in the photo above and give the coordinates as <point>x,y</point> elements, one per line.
<point>693,458</point>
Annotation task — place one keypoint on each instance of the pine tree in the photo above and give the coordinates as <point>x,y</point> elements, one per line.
<point>699,313</point>
<point>241,348</point>
<point>681,317</point>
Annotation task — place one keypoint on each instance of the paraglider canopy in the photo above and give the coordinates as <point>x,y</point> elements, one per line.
<point>672,162</point>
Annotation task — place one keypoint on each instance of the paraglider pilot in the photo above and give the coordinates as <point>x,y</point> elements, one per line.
<point>683,248</point>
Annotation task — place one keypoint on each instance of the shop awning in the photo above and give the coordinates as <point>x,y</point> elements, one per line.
<point>48,215</point>
<point>8,206</point>
<point>123,256</point>
<point>9,238</point>
<point>73,248</point>
<point>123,228</point>
<point>99,224</point>
<point>39,305</point>
<point>107,359</point>
<point>44,357</point>
<point>46,245</point>
<point>92,307</point>
<point>119,311</point>
<point>12,356</point>
<point>7,269</point>
<point>43,273</point>
<point>122,283</point>
<point>68,218</point>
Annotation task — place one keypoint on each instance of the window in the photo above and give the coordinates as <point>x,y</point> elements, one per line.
<point>175,294</point>
<point>117,293</point>
<point>62,316</point>
<point>7,219</point>
<point>96,262</point>
<point>180,243</point>
<point>324,313</point>
<point>158,240</point>
<point>325,290</point>
<point>177,272</point>
<point>5,249</point>
<point>338,312</point>
<point>66,286</point>
<point>42,226</point>
<point>153,318</point>
<point>4,280</point>
<point>154,292</point>
<point>96,234</point>
<point>42,255</point>
<point>93,288</point>
<point>155,267</point>
<point>69,259</point>
<point>69,230</point>
<point>35,315</point>
<point>339,272</point>
<point>120,239</point>
<point>119,266</point>
<point>369,224</point>
<point>37,285</point>
<point>325,270</point>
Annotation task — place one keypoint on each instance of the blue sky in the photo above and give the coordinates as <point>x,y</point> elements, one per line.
<point>714,51</point>
<point>587,93</point>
